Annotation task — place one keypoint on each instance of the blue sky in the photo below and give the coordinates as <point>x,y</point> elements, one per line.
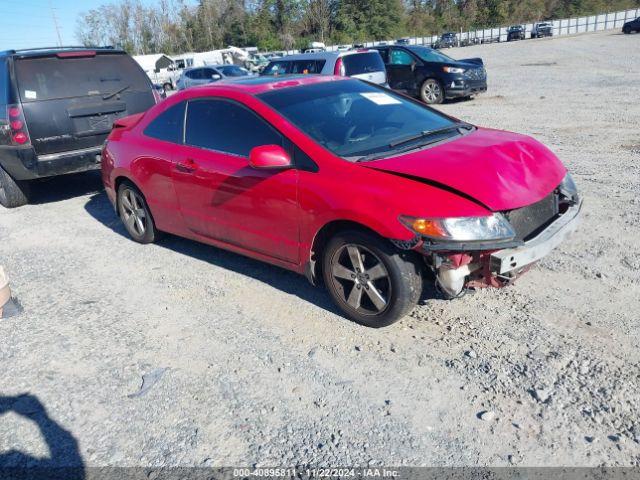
<point>28,23</point>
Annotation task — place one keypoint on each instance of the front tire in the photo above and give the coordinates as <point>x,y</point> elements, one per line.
<point>13,193</point>
<point>370,280</point>
<point>167,87</point>
<point>432,92</point>
<point>135,214</point>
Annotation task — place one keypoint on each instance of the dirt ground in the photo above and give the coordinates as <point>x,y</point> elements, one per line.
<point>247,364</point>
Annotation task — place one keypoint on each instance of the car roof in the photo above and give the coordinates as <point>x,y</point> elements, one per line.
<point>321,55</point>
<point>258,85</point>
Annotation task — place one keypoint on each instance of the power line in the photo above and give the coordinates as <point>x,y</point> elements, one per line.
<point>55,23</point>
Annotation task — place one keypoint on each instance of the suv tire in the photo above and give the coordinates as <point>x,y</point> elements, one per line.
<point>13,193</point>
<point>135,214</point>
<point>370,280</point>
<point>432,92</point>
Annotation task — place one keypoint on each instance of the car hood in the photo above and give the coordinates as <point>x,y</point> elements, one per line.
<point>498,169</point>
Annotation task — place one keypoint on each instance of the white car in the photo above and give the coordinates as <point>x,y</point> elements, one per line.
<point>363,64</point>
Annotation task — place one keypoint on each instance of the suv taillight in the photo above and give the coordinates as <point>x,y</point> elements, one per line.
<point>339,67</point>
<point>18,133</point>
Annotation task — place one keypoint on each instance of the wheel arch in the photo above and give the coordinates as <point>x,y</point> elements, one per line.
<point>119,180</point>
<point>325,233</point>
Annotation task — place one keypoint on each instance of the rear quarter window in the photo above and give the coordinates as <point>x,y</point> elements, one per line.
<point>276,68</point>
<point>307,66</point>
<point>359,63</point>
<point>169,125</point>
<point>49,78</point>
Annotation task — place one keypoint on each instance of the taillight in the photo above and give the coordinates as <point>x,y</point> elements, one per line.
<point>17,128</point>
<point>339,68</point>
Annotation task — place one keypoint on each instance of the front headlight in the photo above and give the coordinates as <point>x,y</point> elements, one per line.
<point>568,188</point>
<point>453,69</point>
<point>462,229</point>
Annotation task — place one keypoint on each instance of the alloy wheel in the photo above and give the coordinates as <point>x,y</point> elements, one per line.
<point>432,91</point>
<point>134,214</point>
<point>361,279</point>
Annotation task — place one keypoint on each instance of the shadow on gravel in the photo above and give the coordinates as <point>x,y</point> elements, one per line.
<point>64,187</point>
<point>64,461</point>
<point>100,208</point>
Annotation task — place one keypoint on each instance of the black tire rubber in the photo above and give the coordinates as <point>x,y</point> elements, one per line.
<point>626,31</point>
<point>404,273</point>
<point>167,87</point>
<point>151,233</point>
<point>13,193</point>
<point>439,100</point>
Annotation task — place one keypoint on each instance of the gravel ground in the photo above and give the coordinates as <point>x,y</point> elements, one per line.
<point>245,364</point>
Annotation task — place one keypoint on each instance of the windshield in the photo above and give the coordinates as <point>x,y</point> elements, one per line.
<point>233,71</point>
<point>430,55</point>
<point>353,118</point>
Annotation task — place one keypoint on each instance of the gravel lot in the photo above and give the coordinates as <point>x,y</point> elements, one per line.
<point>253,366</point>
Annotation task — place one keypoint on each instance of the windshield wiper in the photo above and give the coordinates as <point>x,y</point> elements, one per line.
<point>412,138</point>
<point>429,133</point>
<point>109,95</point>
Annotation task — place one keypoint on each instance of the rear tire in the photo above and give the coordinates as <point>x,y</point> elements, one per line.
<point>370,280</point>
<point>135,214</point>
<point>432,92</point>
<point>13,193</point>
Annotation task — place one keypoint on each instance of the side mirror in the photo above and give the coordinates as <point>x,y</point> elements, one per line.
<point>215,76</point>
<point>271,157</point>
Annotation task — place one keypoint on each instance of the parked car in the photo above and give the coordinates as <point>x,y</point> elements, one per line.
<point>447,40</point>
<point>160,91</point>
<point>431,75</point>
<point>543,29</point>
<point>56,109</point>
<point>342,180</point>
<point>403,41</point>
<point>194,76</point>
<point>632,26</point>
<point>515,32</point>
<point>364,64</point>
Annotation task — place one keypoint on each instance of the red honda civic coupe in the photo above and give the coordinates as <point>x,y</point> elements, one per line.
<point>346,182</point>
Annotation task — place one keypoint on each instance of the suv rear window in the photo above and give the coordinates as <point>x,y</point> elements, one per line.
<point>358,63</point>
<point>47,78</point>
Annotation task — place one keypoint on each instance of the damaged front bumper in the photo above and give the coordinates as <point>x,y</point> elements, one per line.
<point>513,259</point>
<point>487,264</point>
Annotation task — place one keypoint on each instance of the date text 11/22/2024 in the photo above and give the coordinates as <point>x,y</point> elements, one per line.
<point>315,472</point>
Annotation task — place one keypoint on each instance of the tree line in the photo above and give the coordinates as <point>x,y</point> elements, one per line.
<point>174,26</point>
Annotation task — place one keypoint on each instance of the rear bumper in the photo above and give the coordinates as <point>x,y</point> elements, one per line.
<point>513,259</point>
<point>24,164</point>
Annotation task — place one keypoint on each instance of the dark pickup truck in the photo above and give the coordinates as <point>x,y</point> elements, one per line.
<point>57,107</point>
<point>543,29</point>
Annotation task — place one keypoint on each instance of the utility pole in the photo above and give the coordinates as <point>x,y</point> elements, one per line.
<point>55,23</point>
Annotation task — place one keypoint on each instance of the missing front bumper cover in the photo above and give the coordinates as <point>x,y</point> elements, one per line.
<point>508,260</point>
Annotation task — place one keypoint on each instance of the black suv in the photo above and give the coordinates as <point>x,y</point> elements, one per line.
<point>632,26</point>
<point>431,75</point>
<point>56,109</point>
<point>515,32</point>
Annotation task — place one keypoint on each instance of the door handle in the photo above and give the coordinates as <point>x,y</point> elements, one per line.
<point>187,166</point>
